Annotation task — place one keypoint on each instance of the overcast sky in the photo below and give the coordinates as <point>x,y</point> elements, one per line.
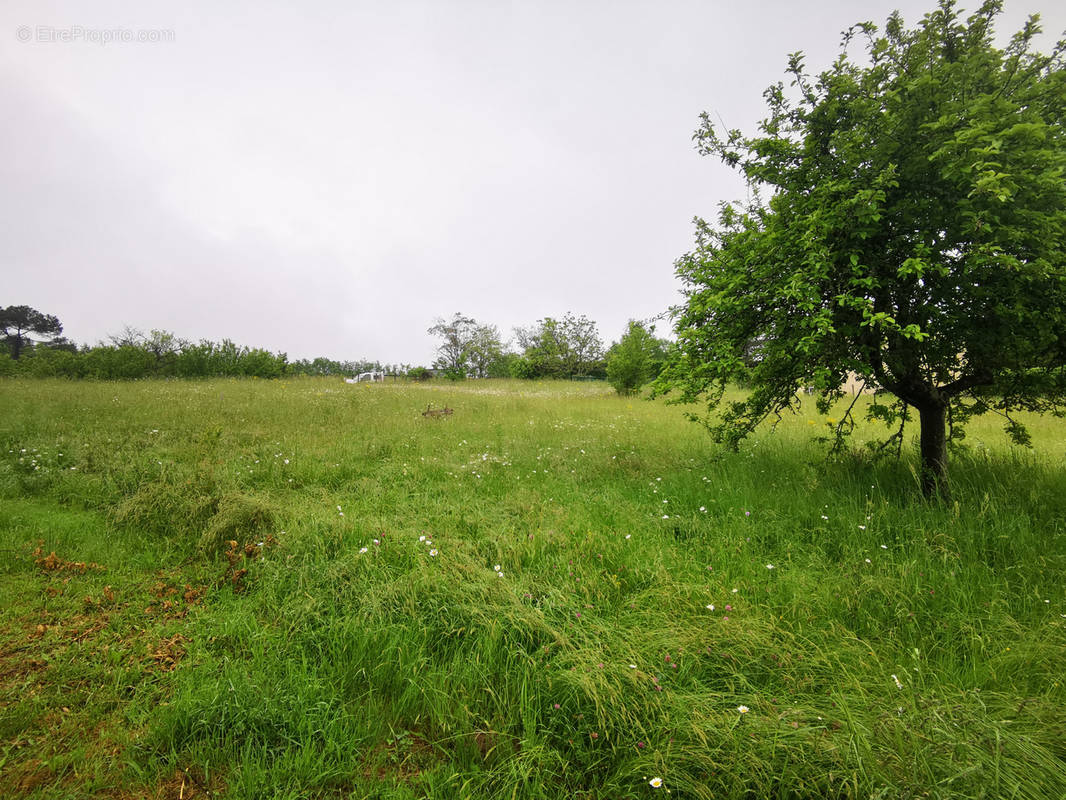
<point>327,178</point>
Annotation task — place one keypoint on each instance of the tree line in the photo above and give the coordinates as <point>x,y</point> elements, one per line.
<point>36,348</point>
<point>565,348</point>
<point>569,347</point>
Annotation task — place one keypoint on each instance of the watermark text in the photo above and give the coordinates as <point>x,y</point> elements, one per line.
<point>83,34</point>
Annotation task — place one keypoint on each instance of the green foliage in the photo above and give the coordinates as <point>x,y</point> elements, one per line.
<point>501,367</point>
<point>562,348</point>
<point>259,363</point>
<point>487,357</point>
<point>326,366</point>
<point>419,374</point>
<point>45,362</point>
<point>908,226</point>
<point>468,348</point>
<point>522,367</point>
<point>636,359</point>
<point>118,363</point>
<point>132,355</point>
<point>453,354</point>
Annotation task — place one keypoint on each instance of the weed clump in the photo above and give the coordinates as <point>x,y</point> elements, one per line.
<point>168,508</point>
<point>239,517</point>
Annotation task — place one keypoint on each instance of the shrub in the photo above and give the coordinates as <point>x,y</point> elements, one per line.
<point>635,360</point>
<point>523,367</point>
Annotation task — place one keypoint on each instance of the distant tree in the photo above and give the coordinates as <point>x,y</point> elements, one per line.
<point>457,337</point>
<point>321,366</point>
<point>586,346</point>
<point>118,363</point>
<point>486,350</point>
<point>913,233</point>
<point>164,347</point>
<point>561,348</point>
<point>419,374</point>
<point>18,322</point>
<point>127,337</point>
<point>258,363</point>
<point>636,359</point>
<point>501,367</point>
<point>195,360</point>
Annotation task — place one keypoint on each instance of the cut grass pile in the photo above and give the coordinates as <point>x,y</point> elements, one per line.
<point>306,589</point>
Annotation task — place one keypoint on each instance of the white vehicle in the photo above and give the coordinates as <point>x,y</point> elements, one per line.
<point>367,377</point>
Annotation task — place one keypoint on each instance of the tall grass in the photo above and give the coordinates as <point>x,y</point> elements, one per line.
<point>515,601</point>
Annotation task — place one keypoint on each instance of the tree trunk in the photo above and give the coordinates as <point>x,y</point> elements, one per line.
<point>933,418</point>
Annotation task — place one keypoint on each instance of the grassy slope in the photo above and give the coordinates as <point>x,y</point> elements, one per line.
<point>175,663</point>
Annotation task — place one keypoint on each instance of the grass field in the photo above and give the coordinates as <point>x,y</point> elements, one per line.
<point>303,589</point>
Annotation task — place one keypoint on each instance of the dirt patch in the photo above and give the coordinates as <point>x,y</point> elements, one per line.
<point>188,784</point>
<point>181,784</point>
<point>404,756</point>
<point>11,667</point>
<point>27,776</point>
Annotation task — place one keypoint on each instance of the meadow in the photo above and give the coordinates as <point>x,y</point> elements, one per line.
<point>305,589</point>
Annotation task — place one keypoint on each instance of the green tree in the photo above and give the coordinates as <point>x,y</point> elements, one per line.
<point>457,337</point>
<point>18,322</point>
<point>523,367</point>
<point>561,348</point>
<point>127,337</point>
<point>486,351</point>
<point>636,359</point>
<point>468,348</point>
<point>163,346</point>
<point>907,224</point>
